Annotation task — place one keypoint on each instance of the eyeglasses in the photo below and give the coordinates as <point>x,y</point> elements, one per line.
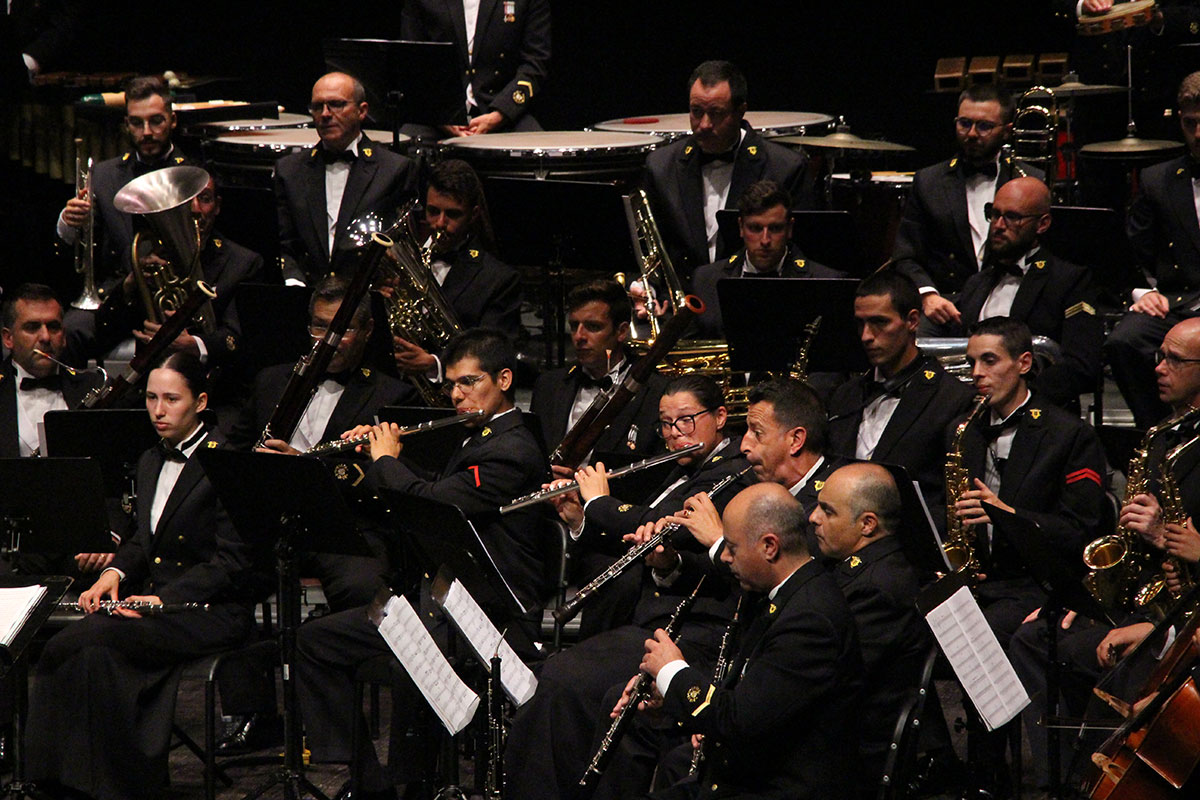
<point>1011,218</point>
<point>333,105</point>
<point>983,126</point>
<point>1173,361</point>
<point>318,331</point>
<point>466,383</point>
<point>684,426</point>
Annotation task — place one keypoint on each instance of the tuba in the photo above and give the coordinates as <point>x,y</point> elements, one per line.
<point>162,199</point>
<point>959,545</point>
<point>85,250</point>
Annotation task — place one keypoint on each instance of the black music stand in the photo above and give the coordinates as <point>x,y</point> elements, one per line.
<point>765,319</point>
<point>429,449</point>
<point>409,81</point>
<point>14,668</point>
<point>918,531</point>
<point>293,504</point>
<point>115,437</point>
<point>33,521</point>
<point>555,224</point>
<point>826,237</point>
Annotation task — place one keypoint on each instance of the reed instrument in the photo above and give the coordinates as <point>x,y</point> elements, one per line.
<point>719,671</point>
<point>342,445</point>
<point>85,242</point>
<point>638,695</point>
<point>1154,596</point>
<point>959,545</point>
<point>570,608</point>
<point>646,463</point>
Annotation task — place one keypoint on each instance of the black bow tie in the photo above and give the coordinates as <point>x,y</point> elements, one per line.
<point>342,377</point>
<point>53,382</point>
<point>988,169</point>
<point>330,157</point>
<point>170,452</point>
<point>585,381</point>
<point>992,432</point>
<point>1007,269</point>
<point>1193,167</point>
<point>727,157</point>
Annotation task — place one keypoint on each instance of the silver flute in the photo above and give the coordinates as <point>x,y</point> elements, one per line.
<point>647,463</point>
<point>141,606</point>
<point>570,608</point>
<point>341,445</point>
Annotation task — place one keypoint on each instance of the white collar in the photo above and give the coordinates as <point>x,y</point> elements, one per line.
<point>800,484</point>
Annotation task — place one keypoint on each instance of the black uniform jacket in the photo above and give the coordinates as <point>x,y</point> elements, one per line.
<point>115,228</point>
<point>1163,230</point>
<point>226,264</point>
<point>483,291</point>
<point>1056,299</point>
<point>378,180</point>
<point>511,55</point>
<point>933,243</point>
<point>710,324</point>
<point>784,722</point>
<point>497,462</point>
<point>74,389</point>
<point>1054,475</point>
<point>676,190</point>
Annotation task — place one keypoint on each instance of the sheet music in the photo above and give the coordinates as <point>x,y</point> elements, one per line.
<point>518,681</point>
<point>451,699</point>
<point>16,604</point>
<point>977,659</point>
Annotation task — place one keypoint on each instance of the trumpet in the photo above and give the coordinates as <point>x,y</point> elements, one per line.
<point>111,607</point>
<point>85,261</point>
<point>570,608</point>
<point>646,463</point>
<point>341,445</point>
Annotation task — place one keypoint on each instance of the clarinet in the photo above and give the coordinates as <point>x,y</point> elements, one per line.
<point>494,779</point>
<point>570,608</point>
<point>641,691</point>
<point>719,671</point>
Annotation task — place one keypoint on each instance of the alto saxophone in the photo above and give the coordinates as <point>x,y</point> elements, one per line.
<point>959,546</point>
<point>1120,562</point>
<point>1153,596</point>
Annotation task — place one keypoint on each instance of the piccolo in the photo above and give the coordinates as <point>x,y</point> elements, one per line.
<point>546,494</point>
<point>340,445</point>
<point>570,608</point>
<point>140,606</point>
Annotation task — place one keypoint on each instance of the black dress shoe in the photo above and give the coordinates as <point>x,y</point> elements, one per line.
<point>249,733</point>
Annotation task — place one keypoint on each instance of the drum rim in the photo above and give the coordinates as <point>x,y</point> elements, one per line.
<point>818,118</point>
<point>494,145</point>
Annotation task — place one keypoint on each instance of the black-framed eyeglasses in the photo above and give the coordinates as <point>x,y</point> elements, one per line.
<point>333,105</point>
<point>984,126</point>
<point>1173,361</point>
<point>1011,218</point>
<point>465,382</point>
<point>684,426</point>
<point>318,331</point>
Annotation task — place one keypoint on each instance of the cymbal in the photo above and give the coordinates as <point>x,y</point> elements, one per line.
<point>1130,147</point>
<point>844,140</point>
<point>1077,89</point>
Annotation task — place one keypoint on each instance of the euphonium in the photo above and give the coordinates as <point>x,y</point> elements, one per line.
<point>1153,596</point>
<point>1120,562</point>
<point>960,538</point>
<point>85,250</point>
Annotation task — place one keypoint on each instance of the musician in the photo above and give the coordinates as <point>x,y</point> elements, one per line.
<point>572,684</point>
<point>943,230</point>
<point>1162,229</point>
<point>499,460</point>
<point>689,180</point>
<point>897,412</point>
<point>504,54</point>
<point>320,192</point>
<point>765,225</point>
<point>784,721</point>
<point>857,520</point>
<point>598,315</point>
<point>1024,280</point>
<point>103,692</point>
<point>483,292</point>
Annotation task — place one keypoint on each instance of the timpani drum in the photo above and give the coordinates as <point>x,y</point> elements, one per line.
<point>555,155</point>
<point>876,207</point>
<point>247,157</point>
<point>284,120</point>
<point>768,123</point>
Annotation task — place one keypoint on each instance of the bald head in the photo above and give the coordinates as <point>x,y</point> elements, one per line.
<point>1178,375</point>
<point>342,82</point>
<point>769,508</point>
<point>338,108</point>
<point>859,504</point>
<point>1020,215</point>
<point>1029,195</point>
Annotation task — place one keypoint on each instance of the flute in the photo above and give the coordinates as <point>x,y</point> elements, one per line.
<point>340,445</point>
<point>570,608</point>
<point>647,463</point>
<point>141,606</point>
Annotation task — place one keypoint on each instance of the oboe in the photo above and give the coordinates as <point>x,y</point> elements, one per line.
<point>719,671</point>
<point>141,606</point>
<point>341,445</point>
<point>570,608</point>
<point>647,463</point>
<point>641,691</point>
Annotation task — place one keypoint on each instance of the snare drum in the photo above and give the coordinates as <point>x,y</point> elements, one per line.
<point>562,155</point>
<point>768,123</point>
<point>247,158</point>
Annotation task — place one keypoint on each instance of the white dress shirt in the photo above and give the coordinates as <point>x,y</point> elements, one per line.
<point>32,405</point>
<point>875,419</point>
<point>316,416</point>
<point>981,190</point>
<point>586,394</point>
<point>336,175</point>
<point>168,474</point>
<point>1000,299</point>
<point>471,16</point>
<point>717,177</point>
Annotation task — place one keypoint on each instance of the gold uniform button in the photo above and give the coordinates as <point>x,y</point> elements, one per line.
<point>157,560</point>
<point>179,563</point>
<point>181,538</point>
<point>656,594</point>
<point>714,787</point>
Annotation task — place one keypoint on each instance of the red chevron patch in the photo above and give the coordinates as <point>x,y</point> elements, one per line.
<point>1084,474</point>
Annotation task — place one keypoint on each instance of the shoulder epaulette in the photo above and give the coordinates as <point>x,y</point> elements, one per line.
<point>1079,308</point>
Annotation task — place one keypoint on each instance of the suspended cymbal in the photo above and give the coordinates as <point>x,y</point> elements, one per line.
<point>844,140</point>
<point>1130,147</point>
<point>1077,89</point>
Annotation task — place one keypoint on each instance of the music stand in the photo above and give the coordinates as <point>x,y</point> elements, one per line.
<point>41,521</point>
<point>553,224</point>
<point>824,236</point>
<point>416,82</point>
<point>429,450</point>
<point>918,533</point>
<point>114,437</point>
<point>274,322</point>
<point>293,504</point>
<point>765,319</point>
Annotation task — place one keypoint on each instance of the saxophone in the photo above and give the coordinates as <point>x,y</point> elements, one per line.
<point>1119,562</point>
<point>959,545</point>
<point>1153,596</point>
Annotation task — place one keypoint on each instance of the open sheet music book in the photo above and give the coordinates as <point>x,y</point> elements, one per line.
<point>518,681</point>
<point>16,604</point>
